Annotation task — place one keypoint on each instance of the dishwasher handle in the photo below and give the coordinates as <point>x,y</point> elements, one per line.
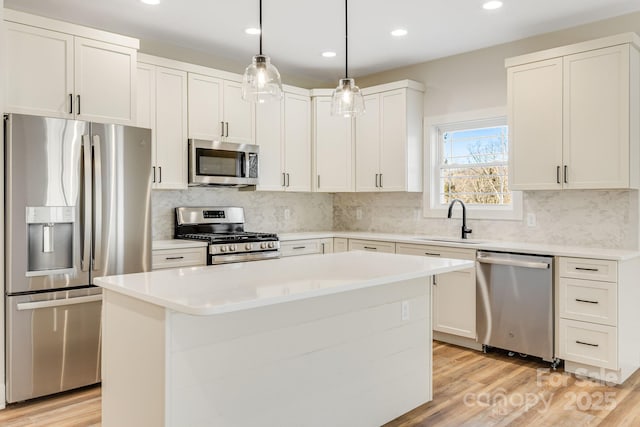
<point>513,262</point>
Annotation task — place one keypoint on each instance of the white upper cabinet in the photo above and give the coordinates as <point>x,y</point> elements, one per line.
<point>389,138</point>
<point>283,132</point>
<point>63,70</point>
<point>535,125</point>
<point>218,112</point>
<point>162,107</point>
<point>332,149</point>
<point>574,116</point>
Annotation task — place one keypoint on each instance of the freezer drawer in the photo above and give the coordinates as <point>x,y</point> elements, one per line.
<point>53,342</point>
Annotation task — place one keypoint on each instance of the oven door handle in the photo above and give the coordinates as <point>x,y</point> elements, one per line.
<point>513,263</point>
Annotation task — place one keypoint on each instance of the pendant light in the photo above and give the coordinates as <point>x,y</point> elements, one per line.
<point>261,81</point>
<point>347,99</point>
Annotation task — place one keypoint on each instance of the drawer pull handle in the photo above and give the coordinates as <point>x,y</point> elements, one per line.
<point>371,248</point>
<point>587,301</point>
<point>173,257</point>
<point>299,247</point>
<point>431,254</point>
<point>587,269</point>
<point>587,343</point>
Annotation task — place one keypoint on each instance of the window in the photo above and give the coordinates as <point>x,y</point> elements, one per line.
<point>469,160</point>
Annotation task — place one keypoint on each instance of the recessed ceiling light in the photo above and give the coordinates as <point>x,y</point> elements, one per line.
<point>399,32</point>
<point>492,5</point>
<point>328,54</point>
<point>152,2</point>
<point>252,31</point>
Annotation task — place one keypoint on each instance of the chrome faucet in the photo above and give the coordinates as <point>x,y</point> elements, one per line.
<point>465,230</point>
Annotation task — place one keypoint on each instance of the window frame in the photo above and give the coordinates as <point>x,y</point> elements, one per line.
<point>434,125</point>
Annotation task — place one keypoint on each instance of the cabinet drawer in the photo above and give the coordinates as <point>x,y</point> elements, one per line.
<point>589,343</point>
<point>588,300</point>
<point>372,245</point>
<point>302,247</point>
<point>438,251</point>
<point>173,258</point>
<point>589,269</point>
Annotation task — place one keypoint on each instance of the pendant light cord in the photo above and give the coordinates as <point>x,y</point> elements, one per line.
<point>346,41</point>
<point>260,27</point>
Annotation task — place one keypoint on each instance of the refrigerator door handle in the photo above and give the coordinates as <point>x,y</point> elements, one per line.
<point>57,302</point>
<point>97,191</point>
<point>86,215</point>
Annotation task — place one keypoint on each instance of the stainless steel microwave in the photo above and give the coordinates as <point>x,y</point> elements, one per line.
<point>222,163</point>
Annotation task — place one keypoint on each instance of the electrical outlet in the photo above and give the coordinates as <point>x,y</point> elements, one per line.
<point>405,310</point>
<point>531,220</point>
<point>358,213</point>
<point>287,213</point>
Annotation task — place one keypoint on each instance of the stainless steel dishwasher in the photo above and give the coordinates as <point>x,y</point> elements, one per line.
<point>515,303</point>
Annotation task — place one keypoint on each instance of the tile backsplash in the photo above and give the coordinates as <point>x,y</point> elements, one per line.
<point>606,219</point>
<point>264,211</point>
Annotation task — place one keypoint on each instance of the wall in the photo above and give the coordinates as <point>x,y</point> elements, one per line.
<point>2,378</point>
<point>583,218</point>
<point>264,211</point>
<point>475,81</point>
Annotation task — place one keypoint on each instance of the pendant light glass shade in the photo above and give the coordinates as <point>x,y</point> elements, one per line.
<point>347,100</point>
<point>261,81</point>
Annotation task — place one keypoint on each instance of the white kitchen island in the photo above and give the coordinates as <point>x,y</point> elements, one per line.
<point>327,340</point>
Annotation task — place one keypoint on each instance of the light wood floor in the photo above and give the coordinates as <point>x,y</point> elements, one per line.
<point>470,389</point>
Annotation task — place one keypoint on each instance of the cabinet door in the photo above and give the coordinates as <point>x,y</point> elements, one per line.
<point>332,149</point>
<point>297,142</point>
<point>105,82</point>
<point>146,102</point>
<point>535,125</point>
<point>171,128</point>
<point>238,115</point>
<point>393,142</point>
<point>39,71</point>
<point>205,107</point>
<point>269,126</point>
<point>454,303</point>
<point>596,118</point>
<point>368,145</point>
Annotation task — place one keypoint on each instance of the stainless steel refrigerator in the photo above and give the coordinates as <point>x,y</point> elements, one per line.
<point>77,207</point>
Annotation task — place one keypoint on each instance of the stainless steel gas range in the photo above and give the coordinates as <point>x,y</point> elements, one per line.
<point>223,228</point>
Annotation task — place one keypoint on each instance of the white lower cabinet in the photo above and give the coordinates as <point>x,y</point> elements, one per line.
<point>597,333</point>
<point>306,247</point>
<point>454,294</point>
<point>372,246</point>
<point>175,258</point>
<point>340,244</point>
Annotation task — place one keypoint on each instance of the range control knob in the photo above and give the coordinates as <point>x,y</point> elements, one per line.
<point>223,249</point>
<point>263,245</point>
<point>233,248</point>
<point>272,245</point>
<point>248,246</point>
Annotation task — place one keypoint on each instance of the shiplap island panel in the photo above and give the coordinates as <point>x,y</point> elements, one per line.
<point>337,339</point>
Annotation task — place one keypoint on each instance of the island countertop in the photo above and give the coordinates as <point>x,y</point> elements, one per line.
<point>235,287</point>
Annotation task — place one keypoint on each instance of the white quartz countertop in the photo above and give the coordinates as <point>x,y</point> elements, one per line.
<point>520,247</point>
<point>177,244</point>
<point>235,287</point>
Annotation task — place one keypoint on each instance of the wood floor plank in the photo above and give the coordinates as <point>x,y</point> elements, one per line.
<point>470,389</point>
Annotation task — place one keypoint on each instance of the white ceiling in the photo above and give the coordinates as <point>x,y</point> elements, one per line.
<point>297,31</point>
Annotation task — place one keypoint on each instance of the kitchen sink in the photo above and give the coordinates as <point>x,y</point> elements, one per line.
<point>450,240</point>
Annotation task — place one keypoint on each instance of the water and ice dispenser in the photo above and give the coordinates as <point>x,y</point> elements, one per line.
<point>50,239</point>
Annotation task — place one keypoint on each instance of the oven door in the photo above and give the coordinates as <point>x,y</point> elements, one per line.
<point>222,163</point>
